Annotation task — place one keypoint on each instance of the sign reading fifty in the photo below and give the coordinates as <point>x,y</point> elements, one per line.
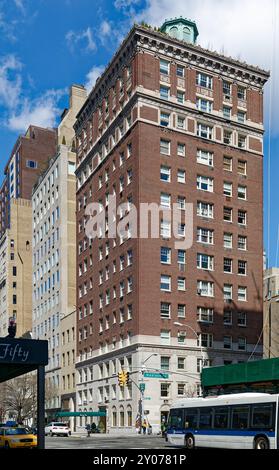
<point>155,375</point>
<point>23,351</point>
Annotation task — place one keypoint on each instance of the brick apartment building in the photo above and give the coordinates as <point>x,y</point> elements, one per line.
<point>29,157</point>
<point>168,122</point>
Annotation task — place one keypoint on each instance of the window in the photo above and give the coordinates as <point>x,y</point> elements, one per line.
<point>204,157</point>
<point>181,389</point>
<point>221,418</point>
<point>165,200</point>
<point>181,201</point>
<point>165,255</point>
<point>242,344</point>
<point>227,265</point>
<point>242,294</point>
<point>164,92</point>
<point>164,119</point>
<point>242,242</point>
<point>180,122</point>
<point>226,112</point>
<point>227,291</point>
<point>204,183</point>
<point>205,262</point>
<point>165,229</point>
<point>242,216</point>
<point>165,336</point>
<point>227,317</point>
<point>227,189</point>
<point>240,415</point>
<point>241,93</point>
<point>241,142</point>
<point>205,236</point>
<point>227,214</point>
<point>242,267</point>
<point>205,288</point>
<point>31,164</point>
<point>165,363</point>
<point>164,67</point>
<point>181,311</point>
<point>241,167</point>
<point>204,105</point>
<point>205,315</point>
<point>181,284</point>
<point>204,80</point>
<point>180,97</point>
<point>205,340</point>
<point>165,310</point>
<point>241,192</point>
<point>227,342</point>
<point>181,257</point>
<point>204,131</point>
<point>241,116</point>
<point>165,390</point>
<point>227,88</point>
<point>241,319</point>
<point>227,137</point>
<point>205,209</point>
<point>261,416</point>
<point>227,163</point>
<point>180,71</point>
<point>165,284</point>
<point>228,240</point>
<point>181,176</point>
<point>165,147</point>
<point>181,150</point>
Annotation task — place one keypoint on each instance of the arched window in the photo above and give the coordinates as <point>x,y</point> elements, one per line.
<point>186,34</point>
<point>173,32</point>
<point>122,417</point>
<point>129,416</point>
<point>114,416</point>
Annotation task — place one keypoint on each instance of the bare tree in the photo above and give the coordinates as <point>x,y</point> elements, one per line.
<point>21,397</point>
<point>3,403</point>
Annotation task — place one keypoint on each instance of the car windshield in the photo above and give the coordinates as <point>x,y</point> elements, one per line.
<point>60,424</point>
<point>16,431</point>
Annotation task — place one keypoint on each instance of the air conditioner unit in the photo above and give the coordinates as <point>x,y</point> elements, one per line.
<point>182,334</point>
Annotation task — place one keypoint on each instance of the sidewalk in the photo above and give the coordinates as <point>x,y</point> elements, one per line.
<point>83,434</point>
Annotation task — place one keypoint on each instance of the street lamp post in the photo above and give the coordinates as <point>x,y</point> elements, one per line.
<point>185,325</point>
<point>142,388</point>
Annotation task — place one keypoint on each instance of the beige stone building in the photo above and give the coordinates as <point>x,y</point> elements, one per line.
<point>16,269</point>
<point>54,260</point>
<point>271,313</point>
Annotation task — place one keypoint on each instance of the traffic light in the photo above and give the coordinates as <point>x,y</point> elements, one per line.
<point>123,378</point>
<point>127,377</point>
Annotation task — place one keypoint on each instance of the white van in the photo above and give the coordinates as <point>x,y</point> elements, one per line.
<point>60,429</point>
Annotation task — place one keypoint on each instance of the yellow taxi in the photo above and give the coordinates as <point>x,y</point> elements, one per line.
<point>11,438</point>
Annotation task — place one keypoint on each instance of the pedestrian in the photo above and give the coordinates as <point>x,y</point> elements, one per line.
<point>144,426</point>
<point>88,429</point>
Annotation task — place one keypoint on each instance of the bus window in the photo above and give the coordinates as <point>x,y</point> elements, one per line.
<point>262,416</point>
<point>206,415</point>
<point>240,417</point>
<point>176,419</point>
<point>191,418</point>
<point>221,418</point>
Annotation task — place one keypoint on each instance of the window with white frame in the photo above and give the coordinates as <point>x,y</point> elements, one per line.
<point>204,183</point>
<point>227,189</point>
<point>227,163</point>
<point>181,150</point>
<point>241,141</point>
<point>228,214</point>
<point>241,93</point>
<point>227,317</point>
<point>164,67</point>
<point>227,290</point>
<point>205,315</point>
<point>165,336</point>
<point>242,268</point>
<point>204,131</point>
<point>228,238</point>
<point>228,263</point>
<point>165,284</point>
<point>204,80</point>
<point>181,201</point>
<point>165,229</point>
<point>165,390</point>
<point>181,283</point>
<point>165,200</point>
<point>181,257</point>
<point>205,157</point>
<point>181,363</point>
<point>205,209</point>
<point>242,217</point>
<point>227,137</point>
<point>165,147</point>
<point>242,242</point>
<point>227,342</point>
<point>164,92</point>
<point>165,310</point>
<point>181,230</point>
<point>204,105</point>
<point>180,123</point>
<point>180,71</point>
<point>165,174</point>
<point>205,288</point>
<point>165,362</point>
<point>181,310</point>
<point>227,112</point>
<point>241,192</point>
<point>165,255</point>
<point>242,167</point>
<point>241,116</point>
<point>205,262</point>
<point>242,344</point>
<point>205,340</point>
<point>205,235</point>
<point>180,96</point>
<point>164,119</point>
<point>242,294</point>
<point>241,319</point>
<point>181,176</point>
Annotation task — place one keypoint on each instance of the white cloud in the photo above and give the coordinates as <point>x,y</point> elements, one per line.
<point>92,76</point>
<point>83,39</point>
<point>119,4</point>
<point>10,81</point>
<point>20,5</point>
<point>105,28</point>
<point>42,111</point>
<point>240,28</point>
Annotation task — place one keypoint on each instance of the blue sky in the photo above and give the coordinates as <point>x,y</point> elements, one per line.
<point>46,45</point>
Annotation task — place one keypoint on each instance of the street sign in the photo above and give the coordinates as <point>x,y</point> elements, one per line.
<point>142,387</point>
<point>147,398</point>
<point>155,375</point>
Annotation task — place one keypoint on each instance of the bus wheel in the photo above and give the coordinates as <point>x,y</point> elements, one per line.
<point>189,442</point>
<point>261,443</point>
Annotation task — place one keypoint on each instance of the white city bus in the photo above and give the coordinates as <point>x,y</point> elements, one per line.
<point>237,421</point>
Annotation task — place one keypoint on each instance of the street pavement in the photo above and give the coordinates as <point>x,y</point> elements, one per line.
<point>107,441</point>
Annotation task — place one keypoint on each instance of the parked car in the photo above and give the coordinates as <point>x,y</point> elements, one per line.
<point>60,429</point>
<point>11,437</point>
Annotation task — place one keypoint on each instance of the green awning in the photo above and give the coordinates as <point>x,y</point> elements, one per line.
<point>63,414</point>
